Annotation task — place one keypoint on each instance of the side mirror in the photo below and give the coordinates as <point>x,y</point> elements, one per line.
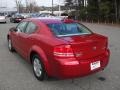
<point>13,29</point>
<point>18,30</point>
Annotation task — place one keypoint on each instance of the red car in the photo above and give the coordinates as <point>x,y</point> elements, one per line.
<point>59,48</point>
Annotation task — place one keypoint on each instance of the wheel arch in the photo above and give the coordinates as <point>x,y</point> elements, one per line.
<point>37,50</point>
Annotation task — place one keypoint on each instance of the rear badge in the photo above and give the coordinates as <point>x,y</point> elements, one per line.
<point>78,54</point>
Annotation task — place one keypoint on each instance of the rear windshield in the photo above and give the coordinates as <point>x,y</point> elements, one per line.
<point>68,29</point>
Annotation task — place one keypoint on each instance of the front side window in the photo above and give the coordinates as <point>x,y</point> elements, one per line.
<point>31,28</point>
<point>68,29</point>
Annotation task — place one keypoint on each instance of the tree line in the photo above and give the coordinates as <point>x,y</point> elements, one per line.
<point>29,7</point>
<point>107,11</point>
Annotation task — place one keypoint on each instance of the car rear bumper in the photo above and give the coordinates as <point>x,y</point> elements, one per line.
<point>77,68</point>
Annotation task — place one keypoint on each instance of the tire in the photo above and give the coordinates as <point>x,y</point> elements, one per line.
<point>10,47</point>
<point>38,68</point>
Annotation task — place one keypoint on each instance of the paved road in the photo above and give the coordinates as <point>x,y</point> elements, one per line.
<point>16,73</point>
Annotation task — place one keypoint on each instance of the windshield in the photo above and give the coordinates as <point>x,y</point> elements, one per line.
<point>18,15</point>
<point>68,29</point>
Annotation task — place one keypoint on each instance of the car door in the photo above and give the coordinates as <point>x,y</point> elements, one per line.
<point>26,39</point>
<point>17,35</point>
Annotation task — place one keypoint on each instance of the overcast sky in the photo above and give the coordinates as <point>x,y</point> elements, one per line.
<point>11,3</point>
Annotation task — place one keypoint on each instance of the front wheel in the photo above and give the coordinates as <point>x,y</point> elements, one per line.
<point>10,45</point>
<point>38,68</point>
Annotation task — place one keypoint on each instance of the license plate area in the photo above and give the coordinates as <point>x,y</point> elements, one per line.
<point>95,65</point>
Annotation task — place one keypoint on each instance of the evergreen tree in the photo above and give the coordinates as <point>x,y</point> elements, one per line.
<point>96,10</point>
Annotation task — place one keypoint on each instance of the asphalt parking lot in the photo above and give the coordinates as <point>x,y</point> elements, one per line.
<point>16,73</point>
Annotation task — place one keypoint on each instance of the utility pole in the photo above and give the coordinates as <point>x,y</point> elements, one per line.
<point>59,8</point>
<point>26,5</point>
<point>77,5</point>
<point>85,3</point>
<point>116,11</point>
<point>0,4</point>
<point>119,10</point>
<point>52,6</point>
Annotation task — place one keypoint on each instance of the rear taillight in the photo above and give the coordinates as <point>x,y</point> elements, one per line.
<point>63,51</point>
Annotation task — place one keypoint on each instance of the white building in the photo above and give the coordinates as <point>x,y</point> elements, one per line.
<point>7,10</point>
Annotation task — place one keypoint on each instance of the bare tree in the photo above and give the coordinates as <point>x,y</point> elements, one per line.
<point>18,5</point>
<point>31,6</point>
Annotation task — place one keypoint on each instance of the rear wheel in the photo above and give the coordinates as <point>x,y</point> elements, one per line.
<point>10,45</point>
<point>38,68</point>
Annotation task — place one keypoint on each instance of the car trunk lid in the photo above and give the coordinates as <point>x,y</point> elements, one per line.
<point>87,46</point>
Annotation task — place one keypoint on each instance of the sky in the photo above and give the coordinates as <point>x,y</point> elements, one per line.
<point>11,3</point>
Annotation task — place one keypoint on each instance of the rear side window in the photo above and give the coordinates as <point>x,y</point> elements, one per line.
<point>22,26</point>
<point>67,29</point>
<point>31,28</point>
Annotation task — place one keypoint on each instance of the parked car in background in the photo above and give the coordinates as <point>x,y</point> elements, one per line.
<point>34,15</point>
<point>59,48</point>
<point>9,15</point>
<point>3,18</point>
<point>47,15</point>
<point>25,15</point>
<point>16,18</point>
<point>64,15</point>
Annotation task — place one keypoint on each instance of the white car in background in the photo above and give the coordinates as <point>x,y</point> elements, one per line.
<point>3,18</point>
<point>64,15</point>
